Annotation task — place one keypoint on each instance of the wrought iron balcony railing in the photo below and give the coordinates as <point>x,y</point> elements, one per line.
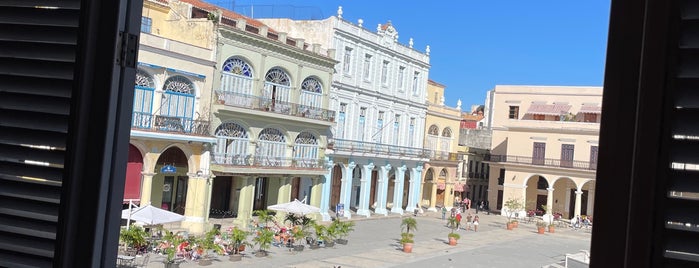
<point>170,124</point>
<point>549,162</point>
<point>274,106</point>
<point>379,148</point>
<point>441,155</point>
<point>250,161</point>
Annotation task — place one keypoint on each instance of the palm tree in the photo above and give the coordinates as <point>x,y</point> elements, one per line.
<point>409,223</point>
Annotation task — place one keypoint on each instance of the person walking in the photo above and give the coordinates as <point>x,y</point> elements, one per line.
<point>475,223</point>
<point>444,212</point>
<point>469,222</point>
<point>458,220</point>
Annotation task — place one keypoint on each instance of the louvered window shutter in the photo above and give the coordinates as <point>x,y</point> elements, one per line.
<point>680,198</point>
<point>46,46</point>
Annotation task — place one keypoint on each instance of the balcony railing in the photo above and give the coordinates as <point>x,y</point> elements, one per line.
<point>379,148</point>
<point>441,155</point>
<point>549,162</point>
<point>267,161</point>
<point>171,124</point>
<point>273,106</point>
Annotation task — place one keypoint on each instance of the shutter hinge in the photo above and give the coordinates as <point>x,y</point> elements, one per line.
<point>127,45</point>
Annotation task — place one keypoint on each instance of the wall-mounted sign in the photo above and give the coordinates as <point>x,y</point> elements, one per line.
<point>168,169</point>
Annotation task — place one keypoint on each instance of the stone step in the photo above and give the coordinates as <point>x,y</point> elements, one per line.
<point>555,265</point>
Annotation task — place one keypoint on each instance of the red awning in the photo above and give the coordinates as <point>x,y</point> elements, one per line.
<point>132,187</point>
<point>590,109</point>
<point>460,187</point>
<point>549,109</point>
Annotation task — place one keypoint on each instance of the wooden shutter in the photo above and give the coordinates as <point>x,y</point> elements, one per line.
<point>61,118</point>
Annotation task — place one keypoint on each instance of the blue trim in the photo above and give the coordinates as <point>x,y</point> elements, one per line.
<point>201,76</point>
<point>149,65</point>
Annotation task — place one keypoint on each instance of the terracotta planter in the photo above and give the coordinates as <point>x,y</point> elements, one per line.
<point>452,241</point>
<point>540,230</point>
<point>407,247</point>
<point>510,226</point>
<point>551,229</point>
<point>515,224</point>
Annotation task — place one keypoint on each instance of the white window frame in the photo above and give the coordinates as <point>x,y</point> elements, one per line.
<point>347,62</point>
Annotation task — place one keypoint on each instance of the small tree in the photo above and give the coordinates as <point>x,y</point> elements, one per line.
<point>512,207</point>
<point>264,216</point>
<point>264,239</point>
<point>238,238</point>
<point>407,224</point>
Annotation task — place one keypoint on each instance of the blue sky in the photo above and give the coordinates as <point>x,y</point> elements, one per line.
<point>476,45</point>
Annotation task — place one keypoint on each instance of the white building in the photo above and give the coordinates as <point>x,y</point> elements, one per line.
<point>379,92</point>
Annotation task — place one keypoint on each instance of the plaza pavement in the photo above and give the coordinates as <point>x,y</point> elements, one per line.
<point>374,243</point>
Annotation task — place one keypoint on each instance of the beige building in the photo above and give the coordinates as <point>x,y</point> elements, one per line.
<point>544,147</point>
<point>441,180</point>
<point>168,164</point>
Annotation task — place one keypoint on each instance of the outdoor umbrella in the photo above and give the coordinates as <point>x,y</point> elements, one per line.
<point>296,207</point>
<point>151,215</point>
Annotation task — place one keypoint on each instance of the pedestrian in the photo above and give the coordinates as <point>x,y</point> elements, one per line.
<point>469,222</point>
<point>475,223</point>
<point>477,207</point>
<point>481,205</point>
<point>453,212</point>
<point>458,220</point>
<point>487,208</point>
<point>444,212</point>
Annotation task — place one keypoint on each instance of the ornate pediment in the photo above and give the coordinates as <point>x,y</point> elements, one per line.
<point>388,33</point>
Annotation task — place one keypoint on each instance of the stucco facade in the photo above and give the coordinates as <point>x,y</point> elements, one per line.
<point>544,147</point>
<point>378,93</point>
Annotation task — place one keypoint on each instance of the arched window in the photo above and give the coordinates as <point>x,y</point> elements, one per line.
<point>311,92</point>
<point>237,66</point>
<point>429,175</point>
<point>445,145</point>
<point>433,138</point>
<point>306,150</point>
<point>446,132</point>
<point>236,78</point>
<point>232,144</point>
<point>271,147</point>
<point>311,85</point>
<point>178,101</point>
<point>434,130</point>
<point>443,173</point>
<point>143,100</point>
<point>277,89</point>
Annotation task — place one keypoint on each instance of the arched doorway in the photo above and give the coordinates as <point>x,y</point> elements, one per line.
<point>406,189</point>
<point>335,186</point>
<point>373,192</point>
<point>536,194</point>
<point>172,180</point>
<point>442,179</point>
<point>564,197</point>
<point>356,186</point>
<point>134,167</point>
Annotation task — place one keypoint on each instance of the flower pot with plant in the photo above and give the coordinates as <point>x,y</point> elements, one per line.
<point>264,241</point>
<point>320,234</point>
<point>551,227</point>
<point>134,237</point>
<point>540,227</point>
<point>408,224</point>
<point>512,207</point>
<point>453,224</point>
<point>343,230</point>
<point>238,239</point>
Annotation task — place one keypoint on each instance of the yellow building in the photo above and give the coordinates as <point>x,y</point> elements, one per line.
<point>169,156</point>
<point>544,147</point>
<point>441,179</point>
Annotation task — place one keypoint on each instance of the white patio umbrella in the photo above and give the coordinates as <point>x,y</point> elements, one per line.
<point>296,207</point>
<point>151,215</point>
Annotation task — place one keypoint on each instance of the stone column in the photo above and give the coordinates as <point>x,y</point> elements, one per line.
<point>591,201</point>
<point>382,187</point>
<point>147,188</point>
<point>578,201</point>
<point>195,204</point>
<point>414,193</point>
<point>433,194</point>
<point>346,189</point>
<point>365,190</point>
<point>449,195</point>
<point>548,217</point>
<point>245,202</point>
<point>398,190</point>
<point>326,188</point>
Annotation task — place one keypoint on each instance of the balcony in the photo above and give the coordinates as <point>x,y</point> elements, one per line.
<point>379,148</point>
<point>169,124</point>
<point>279,107</point>
<point>262,161</point>
<point>445,156</point>
<point>548,162</point>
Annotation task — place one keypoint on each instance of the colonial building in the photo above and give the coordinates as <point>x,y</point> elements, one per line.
<point>378,92</point>
<point>476,138</point>
<point>270,115</point>
<point>441,179</point>
<point>168,163</point>
<point>544,147</point>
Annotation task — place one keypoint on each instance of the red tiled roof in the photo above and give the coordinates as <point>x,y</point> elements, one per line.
<point>591,109</point>
<point>548,109</point>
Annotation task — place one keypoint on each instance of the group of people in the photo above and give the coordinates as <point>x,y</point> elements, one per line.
<point>471,221</point>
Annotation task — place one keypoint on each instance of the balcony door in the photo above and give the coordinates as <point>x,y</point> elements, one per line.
<point>539,153</point>
<point>567,152</point>
<point>593,157</point>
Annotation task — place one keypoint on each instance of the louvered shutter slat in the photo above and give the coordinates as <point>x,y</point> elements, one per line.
<point>681,211</point>
<point>37,54</point>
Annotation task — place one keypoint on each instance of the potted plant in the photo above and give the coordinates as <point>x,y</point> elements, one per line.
<point>173,240</point>
<point>407,224</point>
<point>551,227</point>
<point>332,233</point>
<point>238,239</point>
<point>264,216</point>
<point>512,207</point>
<point>343,230</point>
<point>264,241</point>
<point>299,234</point>
<point>540,227</point>
<point>320,235</point>
<point>133,237</point>
<point>452,222</point>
